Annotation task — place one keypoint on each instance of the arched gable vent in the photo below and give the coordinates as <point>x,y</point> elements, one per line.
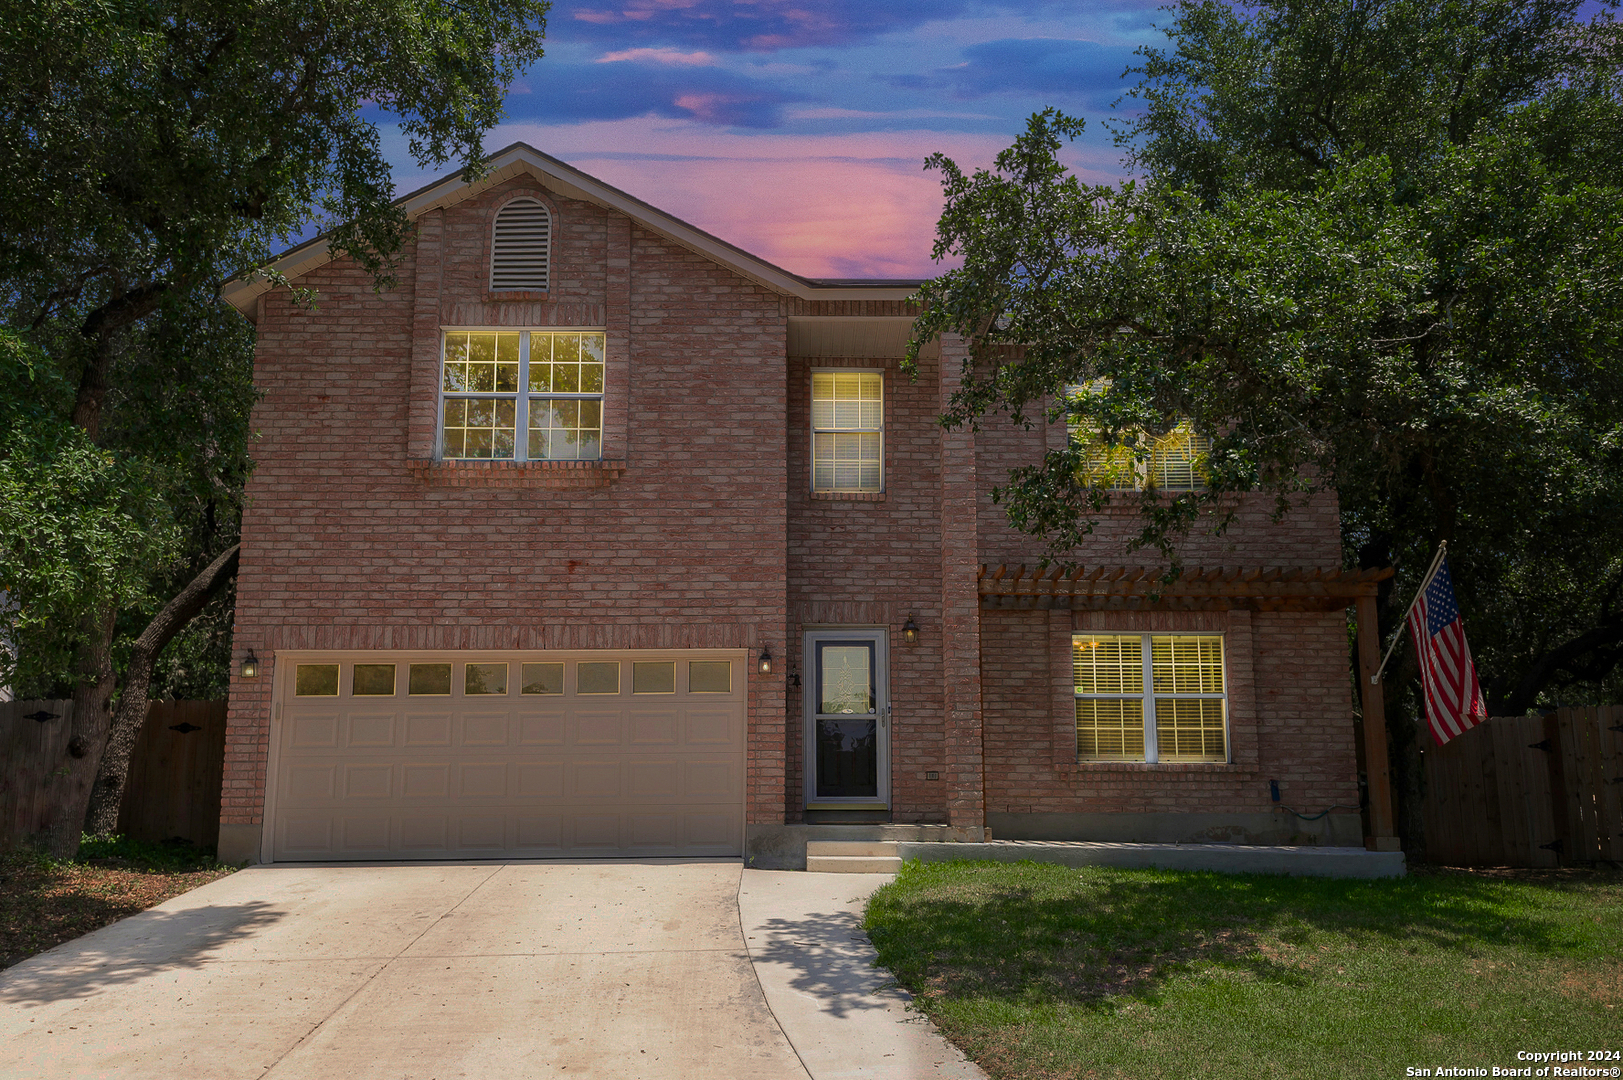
<point>520,247</point>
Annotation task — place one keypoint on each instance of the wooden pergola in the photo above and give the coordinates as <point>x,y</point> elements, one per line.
<point>1278,588</point>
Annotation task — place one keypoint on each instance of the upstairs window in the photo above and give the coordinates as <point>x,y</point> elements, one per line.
<point>520,247</point>
<point>848,430</point>
<point>1176,460</point>
<point>522,395</point>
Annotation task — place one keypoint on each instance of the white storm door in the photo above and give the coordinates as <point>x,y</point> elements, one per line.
<point>847,720</point>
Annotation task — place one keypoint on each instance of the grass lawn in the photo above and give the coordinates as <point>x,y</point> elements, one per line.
<point>1042,971</point>
<point>44,903</point>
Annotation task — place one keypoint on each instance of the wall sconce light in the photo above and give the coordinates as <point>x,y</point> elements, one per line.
<point>250,665</point>
<point>910,631</point>
<point>766,659</point>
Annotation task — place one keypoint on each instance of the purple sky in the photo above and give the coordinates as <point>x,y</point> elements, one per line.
<point>799,130</point>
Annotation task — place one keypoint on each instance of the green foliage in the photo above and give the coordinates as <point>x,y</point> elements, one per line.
<point>81,528</point>
<point>170,857</point>
<point>1377,250</point>
<point>166,145</point>
<point>1044,970</point>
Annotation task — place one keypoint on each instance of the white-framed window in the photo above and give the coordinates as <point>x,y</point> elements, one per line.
<point>848,430</point>
<point>1150,697</point>
<point>521,246</point>
<point>522,395</point>
<point>1176,461</point>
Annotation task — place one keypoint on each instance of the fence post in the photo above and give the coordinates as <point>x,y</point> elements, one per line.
<point>1383,836</point>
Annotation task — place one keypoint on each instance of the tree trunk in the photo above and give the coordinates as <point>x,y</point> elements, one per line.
<point>70,783</point>
<point>105,798</point>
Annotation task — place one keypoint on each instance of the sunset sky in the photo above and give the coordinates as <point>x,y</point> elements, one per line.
<point>798,130</point>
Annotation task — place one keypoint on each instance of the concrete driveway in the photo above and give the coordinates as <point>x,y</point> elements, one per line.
<point>427,972</point>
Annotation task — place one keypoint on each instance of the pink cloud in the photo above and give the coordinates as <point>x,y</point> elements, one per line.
<point>852,205</point>
<point>672,57</point>
<point>636,11</point>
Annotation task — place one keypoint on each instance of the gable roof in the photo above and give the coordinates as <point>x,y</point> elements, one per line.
<point>570,182</point>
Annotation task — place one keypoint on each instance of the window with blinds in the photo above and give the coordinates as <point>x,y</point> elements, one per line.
<point>1175,461</point>
<point>521,247</point>
<point>1150,697</point>
<point>848,430</point>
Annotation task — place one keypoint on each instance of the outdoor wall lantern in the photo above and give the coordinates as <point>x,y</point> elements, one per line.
<point>910,631</point>
<point>250,665</point>
<point>766,659</point>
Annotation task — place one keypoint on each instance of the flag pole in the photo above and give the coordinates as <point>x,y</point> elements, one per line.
<point>1442,549</point>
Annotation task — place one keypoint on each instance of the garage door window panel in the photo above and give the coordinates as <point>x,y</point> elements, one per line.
<point>597,677</point>
<point>429,680</point>
<point>372,680</point>
<point>710,677</point>
<point>542,679</point>
<point>315,680</point>
<point>480,679</point>
<point>653,677</point>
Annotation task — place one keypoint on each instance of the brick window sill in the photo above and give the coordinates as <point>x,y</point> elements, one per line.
<point>848,496</point>
<point>557,475</point>
<point>1170,768</point>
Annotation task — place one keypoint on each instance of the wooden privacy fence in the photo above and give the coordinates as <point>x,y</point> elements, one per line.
<point>175,771</point>
<point>1537,791</point>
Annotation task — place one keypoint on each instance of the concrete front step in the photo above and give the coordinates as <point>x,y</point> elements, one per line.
<point>851,847</point>
<point>853,864</point>
<point>852,856</point>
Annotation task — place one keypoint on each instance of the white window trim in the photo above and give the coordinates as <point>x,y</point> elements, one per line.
<point>811,455</point>
<point>1152,749</point>
<point>521,437</point>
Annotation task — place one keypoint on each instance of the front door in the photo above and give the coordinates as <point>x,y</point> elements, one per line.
<point>847,720</point>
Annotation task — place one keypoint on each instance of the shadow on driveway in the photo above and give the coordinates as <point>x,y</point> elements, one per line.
<point>131,949</point>
<point>829,959</point>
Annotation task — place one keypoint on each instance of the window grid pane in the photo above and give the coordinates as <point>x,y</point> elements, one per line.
<point>1188,665</point>
<point>1190,729</point>
<point>1108,665</point>
<point>1110,729</point>
<point>1178,460</point>
<point>567,429</point>
<point>479,427</point>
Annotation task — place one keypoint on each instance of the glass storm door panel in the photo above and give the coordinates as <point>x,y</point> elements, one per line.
<point>847,720</point>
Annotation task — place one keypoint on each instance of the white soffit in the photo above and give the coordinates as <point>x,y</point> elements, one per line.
<point>571,183</point>
<point>854,336</point>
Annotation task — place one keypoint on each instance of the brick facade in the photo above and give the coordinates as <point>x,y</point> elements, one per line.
<point>699,530</point>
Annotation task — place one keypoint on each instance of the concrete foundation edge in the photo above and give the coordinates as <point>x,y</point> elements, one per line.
<point>1222,858</point>
<point>1277,827</point>
<point>239,844</point>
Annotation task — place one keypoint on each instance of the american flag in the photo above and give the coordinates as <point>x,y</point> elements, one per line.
<point>1453,697</point>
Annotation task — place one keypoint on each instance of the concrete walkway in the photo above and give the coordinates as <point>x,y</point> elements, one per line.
<point>617,970</point>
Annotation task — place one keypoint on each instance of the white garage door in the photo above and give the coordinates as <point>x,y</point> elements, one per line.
<point>507,755</point>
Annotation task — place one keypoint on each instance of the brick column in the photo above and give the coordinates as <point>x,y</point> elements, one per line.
<point>422,410</point>
<point>617,363</point>
<point>960,614</point>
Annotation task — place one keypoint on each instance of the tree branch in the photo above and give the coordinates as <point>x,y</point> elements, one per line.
<point>101,819</point>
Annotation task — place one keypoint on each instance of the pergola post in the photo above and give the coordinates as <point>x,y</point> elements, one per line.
<point>1383,835</point>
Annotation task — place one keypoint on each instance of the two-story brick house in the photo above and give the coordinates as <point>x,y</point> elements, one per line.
<point>599,536</point>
